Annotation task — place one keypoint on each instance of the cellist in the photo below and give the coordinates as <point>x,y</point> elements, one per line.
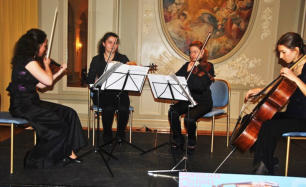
<point>289,48</point>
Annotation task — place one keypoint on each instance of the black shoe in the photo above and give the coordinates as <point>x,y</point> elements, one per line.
<point>119,139</point>
<point>177,145</point>
<point>191,143</point>
<point>179,142</point>
<point>120,136</point>
<point>107,139</point>
<point>261,169</point>
<point>275,166</point>
<point>68,160</point>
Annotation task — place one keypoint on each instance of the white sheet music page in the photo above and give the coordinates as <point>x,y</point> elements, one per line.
<point>164,87</point>
<point>126,77</point>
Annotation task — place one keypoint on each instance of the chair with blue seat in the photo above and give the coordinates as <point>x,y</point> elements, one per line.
<point>220,92</point>
<point>292,136</point>
<point>7,118</point>
<point>95,112</point>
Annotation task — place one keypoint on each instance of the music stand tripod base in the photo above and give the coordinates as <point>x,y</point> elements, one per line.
<point>120,141</point>
<point>98,149</point>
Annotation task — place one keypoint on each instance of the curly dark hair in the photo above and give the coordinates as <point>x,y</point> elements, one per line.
<point>101,48</point>
<point>28,45</point>
<point>291,40</point>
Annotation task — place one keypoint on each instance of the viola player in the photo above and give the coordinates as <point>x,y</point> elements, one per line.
<point>199,85</point>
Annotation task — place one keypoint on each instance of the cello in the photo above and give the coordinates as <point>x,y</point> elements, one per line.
<point>279,92</point>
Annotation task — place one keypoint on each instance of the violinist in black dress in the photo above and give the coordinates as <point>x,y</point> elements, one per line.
<point>110,101</point>
<point>290,48</point>
<point>199,85</point>
<point>58,128</point>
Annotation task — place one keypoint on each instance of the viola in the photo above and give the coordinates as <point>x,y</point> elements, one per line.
<point>247,129</point>
<point>204,58</point>
<point>152,66</point>
<point>203,68</point>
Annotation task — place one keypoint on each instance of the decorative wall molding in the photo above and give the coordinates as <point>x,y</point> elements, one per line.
<point>266,18</point>
<point>166,63</point>
<point>241,71</point>
<point>268,1</point>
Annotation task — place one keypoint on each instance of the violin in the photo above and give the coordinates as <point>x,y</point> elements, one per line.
<point>54,66</point>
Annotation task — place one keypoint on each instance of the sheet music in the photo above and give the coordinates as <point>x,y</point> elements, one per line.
<point>111,68</point>
<point>125,77</point>
<point>163,85</point>
<point>190,98</point>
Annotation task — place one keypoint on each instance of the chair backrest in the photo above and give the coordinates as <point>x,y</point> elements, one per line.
<point>220,92</point>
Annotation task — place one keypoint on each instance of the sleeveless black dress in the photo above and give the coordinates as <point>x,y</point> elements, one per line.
<point>58,127</point>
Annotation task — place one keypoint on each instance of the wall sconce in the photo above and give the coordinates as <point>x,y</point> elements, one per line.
<point>78,45</point>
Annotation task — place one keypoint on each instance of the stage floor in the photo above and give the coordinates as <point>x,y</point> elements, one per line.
<point>131,168</point>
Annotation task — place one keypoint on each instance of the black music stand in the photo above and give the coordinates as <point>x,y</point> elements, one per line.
<point>171,88</point>
<point>125,78</point>
<point>96,148</point>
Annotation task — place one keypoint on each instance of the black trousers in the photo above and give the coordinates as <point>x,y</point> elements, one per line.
<point>269,134</point>
<point>111,102</point>
<point>190,119</point>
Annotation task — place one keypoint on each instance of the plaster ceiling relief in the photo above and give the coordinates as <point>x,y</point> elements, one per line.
<point>241,71</point>
<point>166,64</point>
<point>266,18</point>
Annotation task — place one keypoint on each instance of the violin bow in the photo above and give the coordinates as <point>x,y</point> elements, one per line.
<point>52,33</point>
<point>203,47</point>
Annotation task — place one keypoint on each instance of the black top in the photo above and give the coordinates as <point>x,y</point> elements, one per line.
<point>22,81</point>
<point>107,97</point>
<point>198,86</point>
<point>98,65</point>
<point>297,104</point>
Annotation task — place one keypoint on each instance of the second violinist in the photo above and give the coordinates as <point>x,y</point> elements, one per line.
<point>199,85</point>
<point>110,101</point>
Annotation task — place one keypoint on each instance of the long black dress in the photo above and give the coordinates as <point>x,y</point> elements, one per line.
<point>57,126</point>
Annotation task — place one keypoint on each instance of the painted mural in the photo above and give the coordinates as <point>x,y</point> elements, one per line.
<point>184,21</point>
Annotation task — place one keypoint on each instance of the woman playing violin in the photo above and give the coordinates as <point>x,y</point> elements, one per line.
<point>110,101</point>
<point>199,85</point>
<point>57,126</point>
<point>290,48</point>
